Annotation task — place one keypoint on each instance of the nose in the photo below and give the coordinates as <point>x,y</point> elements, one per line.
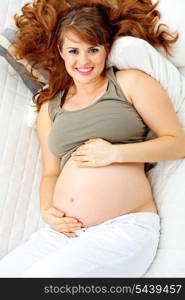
<point>83,60</point>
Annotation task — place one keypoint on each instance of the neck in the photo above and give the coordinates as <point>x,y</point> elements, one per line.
<point>89,88</point>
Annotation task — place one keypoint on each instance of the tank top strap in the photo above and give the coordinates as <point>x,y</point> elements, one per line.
<point>111,74</point>
<point>54,105</point>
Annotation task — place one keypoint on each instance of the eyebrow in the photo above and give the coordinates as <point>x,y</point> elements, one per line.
<point>78,48</point>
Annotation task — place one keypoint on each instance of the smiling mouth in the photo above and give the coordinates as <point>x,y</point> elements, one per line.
<point>84,71</point>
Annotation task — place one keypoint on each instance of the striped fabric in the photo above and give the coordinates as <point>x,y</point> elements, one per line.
<point>22,67</point>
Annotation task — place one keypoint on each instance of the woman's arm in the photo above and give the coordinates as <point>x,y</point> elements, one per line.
<point>154,106</point>
<point>47,185</point>
<point>155,150</point>
<point>51,164</point>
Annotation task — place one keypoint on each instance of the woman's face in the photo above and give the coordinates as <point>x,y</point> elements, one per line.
<point>83,62</point>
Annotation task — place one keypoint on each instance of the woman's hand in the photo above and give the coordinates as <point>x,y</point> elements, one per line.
<point>95,153</point>
<point>57,220</point>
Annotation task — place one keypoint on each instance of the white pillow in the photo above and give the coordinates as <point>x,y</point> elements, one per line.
<point>135,53</point>
<point>172,14</point>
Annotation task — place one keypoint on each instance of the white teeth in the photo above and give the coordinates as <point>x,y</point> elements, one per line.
<point>85,70</point>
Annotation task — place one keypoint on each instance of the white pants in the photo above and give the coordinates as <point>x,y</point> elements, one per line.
<point>124,246</point>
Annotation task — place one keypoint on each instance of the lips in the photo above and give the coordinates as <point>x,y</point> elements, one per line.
<point>84,71</point>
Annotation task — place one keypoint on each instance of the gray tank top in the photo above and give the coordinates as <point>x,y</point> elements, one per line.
<point>111,117</point>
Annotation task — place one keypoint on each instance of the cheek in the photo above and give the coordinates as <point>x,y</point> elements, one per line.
<point>101,62</point>
<point>101,58</point>
<point>69,61</point>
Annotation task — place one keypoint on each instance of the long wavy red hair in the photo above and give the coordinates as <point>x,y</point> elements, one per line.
<point>43,23</point>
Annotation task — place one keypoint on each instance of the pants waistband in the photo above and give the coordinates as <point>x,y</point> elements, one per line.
<point>146,219</point>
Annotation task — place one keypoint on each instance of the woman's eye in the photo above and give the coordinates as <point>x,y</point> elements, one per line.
<point>73,51</point>
<point>94,50</point>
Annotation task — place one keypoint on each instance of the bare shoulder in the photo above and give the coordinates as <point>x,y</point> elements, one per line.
<point>151,101</point>
<point>127,80</point>
<point>44,114</point>
<point>131,75</point>
<point>135,81</point>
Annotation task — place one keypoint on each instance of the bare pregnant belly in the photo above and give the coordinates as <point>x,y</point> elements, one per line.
<point>94,195</point>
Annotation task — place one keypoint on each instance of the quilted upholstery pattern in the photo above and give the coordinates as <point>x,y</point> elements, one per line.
<point>20,163</point>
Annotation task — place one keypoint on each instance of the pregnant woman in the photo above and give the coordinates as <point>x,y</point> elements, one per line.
<point>92,123</point>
